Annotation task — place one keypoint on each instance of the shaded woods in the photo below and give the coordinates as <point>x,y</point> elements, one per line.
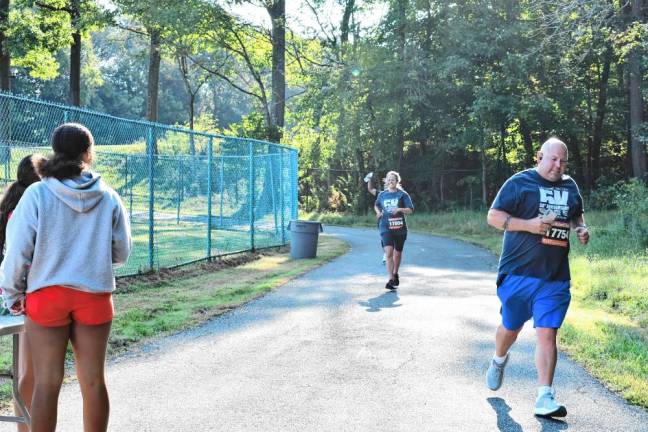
<point>454,95</point>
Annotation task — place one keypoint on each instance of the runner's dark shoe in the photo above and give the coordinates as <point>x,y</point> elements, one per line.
<point>390,285</point>
<point>396,280</point>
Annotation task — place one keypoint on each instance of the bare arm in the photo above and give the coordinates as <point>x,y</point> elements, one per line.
<point>497,219</point>
<point>581,230</point>
<point>372,190</point>
<point>378,212</point>
<point>404,210</point>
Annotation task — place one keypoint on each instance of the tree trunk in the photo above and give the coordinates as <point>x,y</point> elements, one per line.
<point>527,140</point>
<point>575,155</point>
<point>75,70</point>
<point>637,148</point>
<point>400,126</point>
<point>362,204</point>
<point>483,172</point>
<point>601,104</point>
<point>153,76</point>
<point>344,26</point>
<point>5,58</point>
<point>75,55</point>
<point>278,15</point>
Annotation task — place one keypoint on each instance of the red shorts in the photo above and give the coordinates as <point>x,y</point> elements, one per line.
<point>56,306</point>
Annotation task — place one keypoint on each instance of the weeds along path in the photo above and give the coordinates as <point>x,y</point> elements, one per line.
<point>333,351</point>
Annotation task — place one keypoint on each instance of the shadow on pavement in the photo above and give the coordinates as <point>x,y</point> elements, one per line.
<point>551,425</point>
<point>504,421</point>
<point>383,301</point>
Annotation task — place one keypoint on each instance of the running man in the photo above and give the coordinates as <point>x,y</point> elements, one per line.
<point>391,206</point>
<point>536,208</point>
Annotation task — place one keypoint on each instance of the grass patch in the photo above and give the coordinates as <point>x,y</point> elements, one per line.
<point>606,329</point>
<point>181,299</point>
<point>158,304</point>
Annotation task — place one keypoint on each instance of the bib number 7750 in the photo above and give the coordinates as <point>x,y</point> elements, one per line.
<point>557,235</point>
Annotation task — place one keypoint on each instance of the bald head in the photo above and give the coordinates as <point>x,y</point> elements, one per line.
<point>552,143</point>
<point>552,159</point>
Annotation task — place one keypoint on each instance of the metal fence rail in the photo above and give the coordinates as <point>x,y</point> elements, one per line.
<point>190,195</point>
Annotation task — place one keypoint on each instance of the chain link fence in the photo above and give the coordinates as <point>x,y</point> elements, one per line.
<point>190,195</point>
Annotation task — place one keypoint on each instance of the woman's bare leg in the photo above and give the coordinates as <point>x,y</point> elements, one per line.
<point>47,346</point>
<point>89,344</point>
<point>25,379</point>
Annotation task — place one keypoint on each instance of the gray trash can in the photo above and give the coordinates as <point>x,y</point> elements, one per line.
<point>303,238</point>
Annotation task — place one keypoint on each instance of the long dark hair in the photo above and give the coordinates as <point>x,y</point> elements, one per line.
<point>26,174</point>
<point>70,141</point>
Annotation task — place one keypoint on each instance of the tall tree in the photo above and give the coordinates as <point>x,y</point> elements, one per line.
<point>635,85</point>
<point>277,11</point>
<point>82,15</point>
<point>5,56</point>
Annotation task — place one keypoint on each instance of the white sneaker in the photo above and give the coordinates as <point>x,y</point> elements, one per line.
<point>546,406</point>
<point>495,373</point>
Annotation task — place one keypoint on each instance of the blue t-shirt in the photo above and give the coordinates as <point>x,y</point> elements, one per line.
<point>386,201</point>
<point>527,195</point>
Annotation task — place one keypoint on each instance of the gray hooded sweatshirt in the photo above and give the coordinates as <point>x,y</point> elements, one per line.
<point>69,233</point>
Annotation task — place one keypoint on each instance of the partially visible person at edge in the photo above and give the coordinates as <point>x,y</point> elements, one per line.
<point>392,204</point>
<point>373,191</point>
<point>71,228</point>
<point>537,209</point>
<point>25,175</point>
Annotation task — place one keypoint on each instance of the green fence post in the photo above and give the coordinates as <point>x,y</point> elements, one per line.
<point>221,188</point>
<point>270,159</point>
<point>209,195</point>
<point>126,189</point>
<point>251,197</point>
<point>179,189</point>
<point>151,167</point>
<point>281,197</point>
<point>294,205</point>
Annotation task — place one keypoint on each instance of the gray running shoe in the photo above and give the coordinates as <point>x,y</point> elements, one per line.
<point>546,406</point>
<point>495,374</point>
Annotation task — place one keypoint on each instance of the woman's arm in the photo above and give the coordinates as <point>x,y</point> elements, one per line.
<point>121,237</point>
<point>21,241</point>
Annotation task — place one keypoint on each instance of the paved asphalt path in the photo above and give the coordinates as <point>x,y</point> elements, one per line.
<point>333,351</point>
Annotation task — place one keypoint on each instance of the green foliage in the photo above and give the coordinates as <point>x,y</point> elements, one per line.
<point>632,201</point>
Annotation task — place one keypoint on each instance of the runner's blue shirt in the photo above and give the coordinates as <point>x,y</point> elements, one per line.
<point>386,201</point>
<point>527,195</point>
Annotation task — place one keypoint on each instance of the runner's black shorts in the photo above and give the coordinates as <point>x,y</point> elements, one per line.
<point>397,241</point>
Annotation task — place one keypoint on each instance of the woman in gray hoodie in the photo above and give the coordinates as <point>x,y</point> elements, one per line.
<point>64,237</point>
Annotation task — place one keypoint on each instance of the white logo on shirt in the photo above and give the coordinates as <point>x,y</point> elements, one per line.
<point>554,200</point>
<point>391,203</point>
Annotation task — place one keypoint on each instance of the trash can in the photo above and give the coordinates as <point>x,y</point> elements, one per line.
<point>303,238</point>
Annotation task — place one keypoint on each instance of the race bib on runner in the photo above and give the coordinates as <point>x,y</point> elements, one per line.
<point>557,235</point>
<point>396,223</point>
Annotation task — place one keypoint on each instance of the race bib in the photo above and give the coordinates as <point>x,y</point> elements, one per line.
<point>557,235</point>
<point>396,223</point>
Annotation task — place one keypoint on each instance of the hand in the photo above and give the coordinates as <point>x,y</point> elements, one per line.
<point>583,234</point>
<point>18,307</point>
<point>538,225</point>
<point>379,215</point>
<point>395,211</point>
